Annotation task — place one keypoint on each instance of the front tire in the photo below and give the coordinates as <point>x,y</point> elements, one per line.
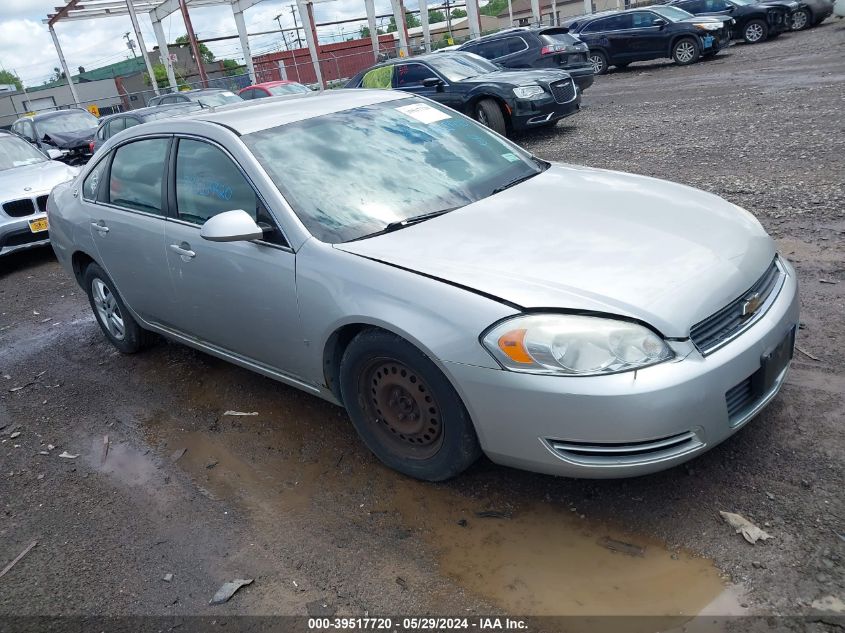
<point>801,20</point>
<point>755,31</point>
<point>599,62</point>
<point>114,319</point>
<point>404,408</point>
<point>685,51</point>
<point>489,114</point>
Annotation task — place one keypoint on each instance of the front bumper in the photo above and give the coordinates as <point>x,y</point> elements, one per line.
<point>528,113</point>
<point>625,424</point>
<point>15,234</point>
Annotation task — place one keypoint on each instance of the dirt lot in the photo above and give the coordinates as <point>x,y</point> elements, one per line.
<point>290,498</point>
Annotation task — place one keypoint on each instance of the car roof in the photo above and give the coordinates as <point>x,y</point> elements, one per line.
<point>261,114</point>
<point>271,84</point>
<point>154,109</point>
<point>516,30</point>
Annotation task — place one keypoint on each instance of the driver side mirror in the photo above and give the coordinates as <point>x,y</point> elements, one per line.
<point>432,82</point>
<point>231,226</point>
<point>660,22</point>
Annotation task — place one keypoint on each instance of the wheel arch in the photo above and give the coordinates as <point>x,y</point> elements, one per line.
<point>79,262</point>
<point>682,36</point>
<point>480,96</point>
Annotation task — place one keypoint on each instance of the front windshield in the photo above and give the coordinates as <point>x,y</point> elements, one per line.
<point>349,174</point>
<point>671,13</point>
<point>15,152</point>
<point>71,122</point>
<point>218,98</point>
<point>460,66</point>
<point>288,89</point>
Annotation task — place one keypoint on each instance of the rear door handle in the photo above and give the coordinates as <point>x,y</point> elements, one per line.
<point>183,250</point>
<point>101,227</point>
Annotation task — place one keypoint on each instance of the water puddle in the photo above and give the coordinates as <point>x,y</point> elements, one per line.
<point>533,558</point>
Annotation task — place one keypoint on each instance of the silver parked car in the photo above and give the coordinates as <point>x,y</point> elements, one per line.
<point>26,178</point>
<point>455,293</point>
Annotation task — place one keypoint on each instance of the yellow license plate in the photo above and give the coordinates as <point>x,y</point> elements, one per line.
<point>36,226</point>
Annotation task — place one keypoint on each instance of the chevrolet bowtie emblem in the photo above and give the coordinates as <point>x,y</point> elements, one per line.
<point>751,304</point>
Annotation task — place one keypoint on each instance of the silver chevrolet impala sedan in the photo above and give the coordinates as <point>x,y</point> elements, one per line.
<point>454,293</point>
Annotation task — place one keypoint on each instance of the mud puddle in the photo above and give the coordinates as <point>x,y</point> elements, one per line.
<point>534,559</point>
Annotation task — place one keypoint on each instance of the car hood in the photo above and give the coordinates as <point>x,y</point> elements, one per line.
<point>591,240</point>
<point>70,140</point>
<point>792,5</point>
<point>707,18</point>
<point>519,77</point>
<point>31,180</point>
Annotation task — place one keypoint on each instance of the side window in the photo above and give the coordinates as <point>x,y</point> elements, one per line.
<point>130,122</point>
<point>208,183</point>
<point>595,26</point>
<point>696,6</point>
<point>412,75</point>
<point>24,128</point>
<point>715,5</point>
<point>381,77</point>
<point>514,45</point>
<point>247,94</point>
<point>136,175</point>
<point>116,125</point>
<point>91,187</point>
<point>643,19</point>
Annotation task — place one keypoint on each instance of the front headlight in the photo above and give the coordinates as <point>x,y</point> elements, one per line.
<point>709,26</point>
<point>574,345</point>
<point>526,92</point>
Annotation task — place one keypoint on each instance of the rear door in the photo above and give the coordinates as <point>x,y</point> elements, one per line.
<point>123,197</point>
<point>239,297</point>
<point>617,30</point>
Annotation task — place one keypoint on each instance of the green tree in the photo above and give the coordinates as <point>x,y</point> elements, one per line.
<point>435,16</point>
<point>410,19</point>
<point>205,52</point>
<point>494,7</point>
<point>231,67</point>
<point>365,32</point>
<point>459,13</point>
<point>8,77</point>
<point>162,80</point>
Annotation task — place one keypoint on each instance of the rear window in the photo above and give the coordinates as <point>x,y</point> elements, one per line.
<point>559,37</point>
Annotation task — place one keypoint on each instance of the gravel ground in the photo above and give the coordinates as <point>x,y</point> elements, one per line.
<point>290,498</point>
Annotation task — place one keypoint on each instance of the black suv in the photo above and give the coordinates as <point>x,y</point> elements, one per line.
<point>503,100</point>
<point>550,47</point>
<point>617,38</point>
<point>752,22</point>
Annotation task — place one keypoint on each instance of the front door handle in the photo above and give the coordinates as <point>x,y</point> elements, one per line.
<point>101,227</point>
<point>183,250</point>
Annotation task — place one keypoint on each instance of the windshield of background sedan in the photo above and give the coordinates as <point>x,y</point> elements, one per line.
<point>460,66</point>
<point>672,13</point>
<point>288,89</point>
<point>349,174</point>
<point>70,122</point>
<point>15,152</point>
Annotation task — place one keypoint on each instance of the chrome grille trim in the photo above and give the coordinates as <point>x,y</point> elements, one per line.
<point>563,91</point>
<point>722,327</point>
<point>626,453</point>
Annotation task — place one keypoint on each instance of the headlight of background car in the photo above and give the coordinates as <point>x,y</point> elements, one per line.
<point>574,345</point>
<point>526,92</point>
<point>709,26</point>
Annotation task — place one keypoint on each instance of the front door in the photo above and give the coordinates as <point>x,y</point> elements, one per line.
<point>409,77</point>
<point>239,297</point>
<point>123,198</point>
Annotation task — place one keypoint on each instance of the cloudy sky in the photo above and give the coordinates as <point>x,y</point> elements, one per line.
<point>26,47</point>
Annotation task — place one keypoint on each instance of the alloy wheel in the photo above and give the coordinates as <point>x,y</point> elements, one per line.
<point>799,20</point>
<point>108,310</point>
<point>598,64</point>
<point>685,52</point>
<point>754,33</point>
<point>482,117</point>
<point>401,408</point>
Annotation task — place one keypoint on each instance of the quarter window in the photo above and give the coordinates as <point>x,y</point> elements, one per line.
<point>208,183</point>
<point>136,175</point>
<point>643,19</point>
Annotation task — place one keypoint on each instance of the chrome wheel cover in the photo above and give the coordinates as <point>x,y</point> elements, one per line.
<point>108,311</point>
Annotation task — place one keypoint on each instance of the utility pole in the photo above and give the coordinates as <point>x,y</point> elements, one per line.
<point>192,39</point>
<point>130,44</point>
<point>446,3</point>
<point>296,25</point>
<point>278,19</point>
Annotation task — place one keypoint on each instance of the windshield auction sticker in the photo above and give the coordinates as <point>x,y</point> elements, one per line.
<point>423,112</point>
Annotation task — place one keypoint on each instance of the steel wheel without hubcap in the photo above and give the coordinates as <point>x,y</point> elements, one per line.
<point>401,408</point>
<point>107,309</point>
<point>753,33</point>
<point>685,52</point>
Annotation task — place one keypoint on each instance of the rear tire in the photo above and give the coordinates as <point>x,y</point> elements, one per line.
<point>599,62</point>
<point>114,319</point>
<point>404,409</point>
<point>755,31</point>
<point>801,20</point>
<point>685,51</point>
<point>489,114</point>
